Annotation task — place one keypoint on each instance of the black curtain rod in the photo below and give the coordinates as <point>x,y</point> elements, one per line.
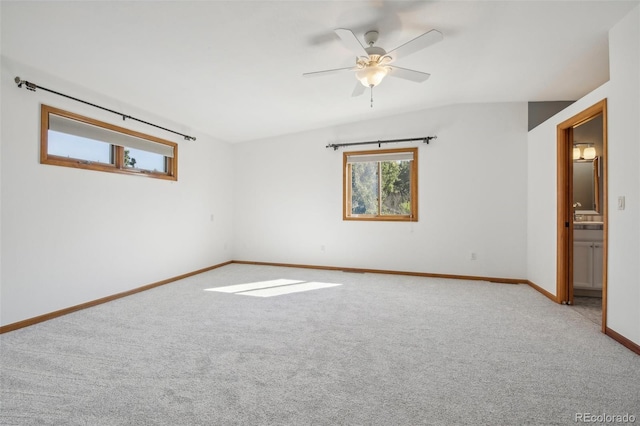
<point>32,87</point>
<point>425,139</point>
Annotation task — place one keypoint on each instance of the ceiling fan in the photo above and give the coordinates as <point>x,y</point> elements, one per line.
<point>373,62</point>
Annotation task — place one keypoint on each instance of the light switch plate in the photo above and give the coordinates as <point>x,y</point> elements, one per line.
<point>621,202</point>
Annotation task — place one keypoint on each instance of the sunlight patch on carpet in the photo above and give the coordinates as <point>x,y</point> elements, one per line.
<point>272,288</point>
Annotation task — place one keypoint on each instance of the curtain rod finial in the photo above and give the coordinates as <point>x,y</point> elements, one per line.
<point>18,81</point>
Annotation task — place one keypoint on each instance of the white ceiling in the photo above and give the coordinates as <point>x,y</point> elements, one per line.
<point>233,69</point>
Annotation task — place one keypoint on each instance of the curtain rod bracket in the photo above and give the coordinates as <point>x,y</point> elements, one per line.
<point>428,138</point>
<point>30,86</point>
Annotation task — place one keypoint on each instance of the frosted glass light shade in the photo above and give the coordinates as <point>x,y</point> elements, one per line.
<point>371,75</point>
<point>576,153</point>
<point>589,153</point>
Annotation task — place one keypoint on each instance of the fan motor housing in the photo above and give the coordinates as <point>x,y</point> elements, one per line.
<point>370,37</point>
<point>375,50</point>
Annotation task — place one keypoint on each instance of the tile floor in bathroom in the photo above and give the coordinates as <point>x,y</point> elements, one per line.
<point>589,307</point>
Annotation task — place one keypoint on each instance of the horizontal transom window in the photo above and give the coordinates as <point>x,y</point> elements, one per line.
<point>381,185</point>
<point>72,140</point>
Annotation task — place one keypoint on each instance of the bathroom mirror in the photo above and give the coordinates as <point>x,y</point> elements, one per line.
<point>586,186</point>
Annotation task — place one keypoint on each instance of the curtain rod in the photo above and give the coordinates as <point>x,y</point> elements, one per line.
<point>425,139</point>
<point>32,87</point>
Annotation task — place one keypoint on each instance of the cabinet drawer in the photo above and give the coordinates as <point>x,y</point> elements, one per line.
<point>587,235</point>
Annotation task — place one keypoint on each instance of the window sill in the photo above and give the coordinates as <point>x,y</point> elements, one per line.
<point>381,218</point>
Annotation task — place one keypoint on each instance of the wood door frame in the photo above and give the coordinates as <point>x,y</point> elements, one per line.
<point>564,281</point>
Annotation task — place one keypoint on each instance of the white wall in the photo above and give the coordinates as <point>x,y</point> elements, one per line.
<point>624,178</point>
<point>1,97</point>
<point>542,192</point>
<point>72,236</point>
<point>472,196</point>
<point>623,102</point>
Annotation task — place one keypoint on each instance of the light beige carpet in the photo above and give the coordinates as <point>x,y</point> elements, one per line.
<point>376,350</point>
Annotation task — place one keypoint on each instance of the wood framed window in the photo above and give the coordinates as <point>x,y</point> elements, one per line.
<point>72,140</point>
<point>381,185</point>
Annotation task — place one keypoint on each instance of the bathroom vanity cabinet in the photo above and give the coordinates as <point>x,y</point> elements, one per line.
<point>587,259</point>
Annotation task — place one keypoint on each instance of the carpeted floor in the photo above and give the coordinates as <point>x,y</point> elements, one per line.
<point>376,350</point>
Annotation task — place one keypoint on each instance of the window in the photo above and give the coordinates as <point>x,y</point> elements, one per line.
<point>381,185</point>
<point>71,140</point>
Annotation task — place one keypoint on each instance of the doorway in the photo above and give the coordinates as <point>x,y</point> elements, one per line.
<point>574,216</point>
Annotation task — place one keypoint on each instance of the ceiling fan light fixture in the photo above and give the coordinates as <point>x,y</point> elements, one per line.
<point>373,63</point>
<point>371,76</point>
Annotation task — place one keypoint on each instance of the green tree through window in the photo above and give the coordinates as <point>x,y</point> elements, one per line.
<point>364,182</point>
<point>128,161</point>
<point>381,184</point>
<point>396,187</point>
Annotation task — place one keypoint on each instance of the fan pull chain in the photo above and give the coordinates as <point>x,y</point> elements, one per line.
<point>371,87</point>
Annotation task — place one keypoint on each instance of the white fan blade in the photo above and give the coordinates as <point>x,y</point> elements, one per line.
<point>358,90</point>
<point>421,42</point>
<point>407,74</point>
<point>327,72</point>
<point>351,42</point>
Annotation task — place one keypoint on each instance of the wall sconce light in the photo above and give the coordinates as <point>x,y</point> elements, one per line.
<point>588,153</point>
<point>576,153</point>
